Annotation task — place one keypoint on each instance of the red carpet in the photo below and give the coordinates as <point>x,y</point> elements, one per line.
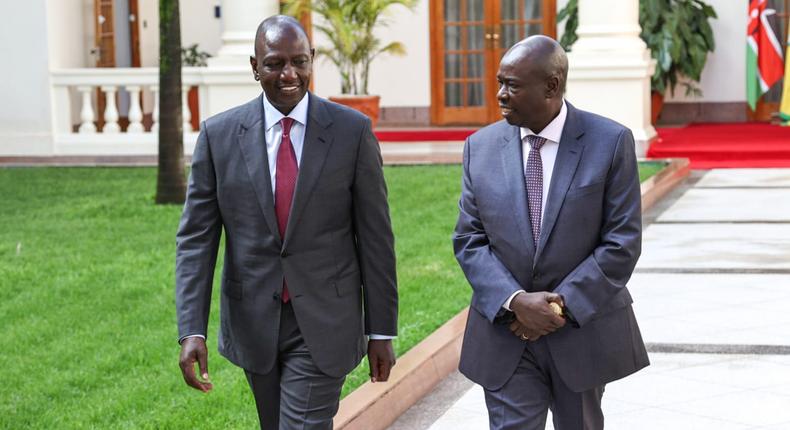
<point>725,145</point>
<point>706,145</point>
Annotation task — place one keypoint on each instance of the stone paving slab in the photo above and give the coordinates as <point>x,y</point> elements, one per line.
<point>701,317</point>
<point>678,391</point>
<point>712,308</point>
<point>746,178</point>
<point>422,148</point>
<point>716,246</point>
<point>740,204</point>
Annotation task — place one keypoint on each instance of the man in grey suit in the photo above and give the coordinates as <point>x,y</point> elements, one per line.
<point>549,214</point>
<point>296,183</point>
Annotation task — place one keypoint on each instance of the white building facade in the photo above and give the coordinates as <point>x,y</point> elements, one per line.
<point>80,77</point>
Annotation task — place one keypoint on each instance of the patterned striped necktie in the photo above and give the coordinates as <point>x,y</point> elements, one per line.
<point>533,176</point>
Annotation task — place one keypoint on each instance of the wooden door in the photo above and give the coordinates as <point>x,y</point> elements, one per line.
<point>105,33</point>
<point>468,38</point>
<point>768,104</point>
<point>134,31</point>
<point>103,17</point>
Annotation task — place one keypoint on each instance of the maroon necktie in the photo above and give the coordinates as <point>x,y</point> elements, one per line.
<point>284,184</point>
<point>534,179</point>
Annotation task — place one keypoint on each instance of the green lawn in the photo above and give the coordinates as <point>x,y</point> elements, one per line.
<point>87,308</point>
<point>649,168</point>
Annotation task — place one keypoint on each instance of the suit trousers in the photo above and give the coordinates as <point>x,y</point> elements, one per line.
<point>295,394</point>
<point>523,402</point>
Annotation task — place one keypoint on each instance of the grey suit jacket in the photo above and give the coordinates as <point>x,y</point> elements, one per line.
<point>589,243</point>
<point>337,253</point>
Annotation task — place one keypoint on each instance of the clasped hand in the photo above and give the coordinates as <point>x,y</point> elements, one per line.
<point>534,317</point>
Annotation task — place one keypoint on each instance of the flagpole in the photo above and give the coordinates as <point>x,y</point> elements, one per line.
<point>784,107</point>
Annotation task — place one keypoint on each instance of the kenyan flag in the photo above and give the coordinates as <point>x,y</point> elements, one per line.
<point>764,62</point>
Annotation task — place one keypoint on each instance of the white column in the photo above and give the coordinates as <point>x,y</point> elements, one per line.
<point>86,112</point>
<point>240,19</point>
<point>186,114</point>
<point>228,80</point>
<point>155,112</point>
<point>135,111</point>
<point>61,110</point>
<point>110,111</point>
<point>610,67</point>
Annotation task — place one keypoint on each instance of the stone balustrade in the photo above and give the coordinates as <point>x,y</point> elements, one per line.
<point>80,127</point>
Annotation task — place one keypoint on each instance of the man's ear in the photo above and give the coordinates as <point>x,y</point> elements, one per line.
<point>552,87</point>
<point>254,65</point>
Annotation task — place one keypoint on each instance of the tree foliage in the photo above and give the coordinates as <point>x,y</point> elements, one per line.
<point>678,33</point>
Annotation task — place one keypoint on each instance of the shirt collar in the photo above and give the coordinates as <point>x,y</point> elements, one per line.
<point>553,131</point>
<point>272,116</point>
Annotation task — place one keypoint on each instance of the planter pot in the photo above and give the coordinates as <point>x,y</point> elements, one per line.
<point>368,105</point>
<point>656,105</point>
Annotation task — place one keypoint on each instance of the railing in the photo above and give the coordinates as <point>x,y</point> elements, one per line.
<point>76,116</point>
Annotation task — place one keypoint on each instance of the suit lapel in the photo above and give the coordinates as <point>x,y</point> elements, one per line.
<point>568,156</point>
<point>314,152</point>
<point>253,148</point>
<point>515,185</point>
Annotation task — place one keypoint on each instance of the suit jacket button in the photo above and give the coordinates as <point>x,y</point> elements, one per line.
<point>535,276</point>
<point>284,253</point>
<point>276,296</point>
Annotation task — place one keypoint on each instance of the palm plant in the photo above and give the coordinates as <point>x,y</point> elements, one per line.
<point>349,26</point>
<point>676,31</point>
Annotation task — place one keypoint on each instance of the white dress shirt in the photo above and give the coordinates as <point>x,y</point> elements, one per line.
<point>274,132</point>
<point>548,154</point>
<point>274,136</point>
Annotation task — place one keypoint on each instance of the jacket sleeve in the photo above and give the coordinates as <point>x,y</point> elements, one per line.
<point>375,241</point>
<point>492,283</point>
<point>605,272</point>
<point>197,242</point>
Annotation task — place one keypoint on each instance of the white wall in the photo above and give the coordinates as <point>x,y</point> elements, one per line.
<point>400,81</point>
<point>71,35</point>
<point>724,76</point>
<point>66,37</point>
<point>198,25</point>
<point>561,26</point>
<point>25,117</point>
<point>148,25</point>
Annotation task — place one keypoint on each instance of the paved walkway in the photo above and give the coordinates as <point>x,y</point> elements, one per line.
<point>712,296</point>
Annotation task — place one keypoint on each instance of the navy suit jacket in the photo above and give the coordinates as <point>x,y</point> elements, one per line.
<point>589,243</point>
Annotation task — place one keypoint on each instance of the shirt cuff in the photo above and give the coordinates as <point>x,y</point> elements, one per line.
<point>506,305</point>
<point>191,335</point>
<point>380,337</point>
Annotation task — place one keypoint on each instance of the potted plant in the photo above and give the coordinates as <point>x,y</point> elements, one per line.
<point>192,57</point>
<point>679,37</point>
<point>349,26</point>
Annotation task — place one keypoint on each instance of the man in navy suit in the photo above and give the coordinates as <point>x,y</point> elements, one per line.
<point>549,212</point>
